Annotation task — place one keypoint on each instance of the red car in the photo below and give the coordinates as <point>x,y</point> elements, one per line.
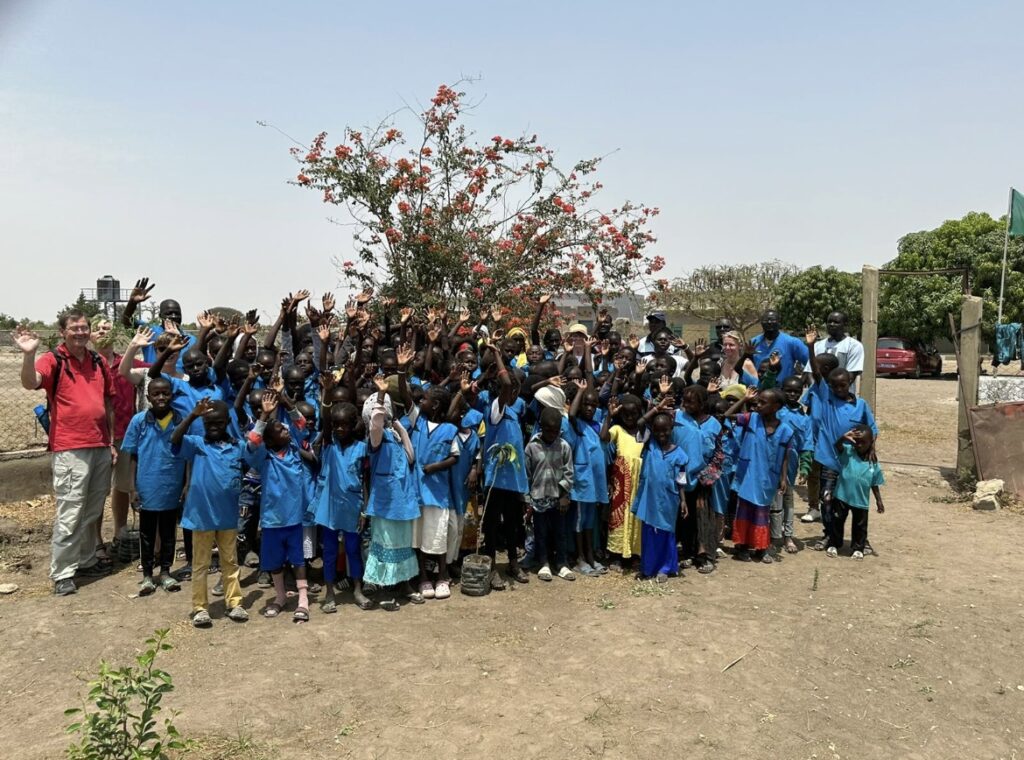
<point>899,356</point>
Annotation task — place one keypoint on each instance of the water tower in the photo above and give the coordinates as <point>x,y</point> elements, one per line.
<point>106,295</point>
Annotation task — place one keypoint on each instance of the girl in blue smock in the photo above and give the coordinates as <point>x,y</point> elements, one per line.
<point>699,438</point>
<point>392,505</point>
<point>590,475</point>
<point>337,504</point>
<point>660,498</point>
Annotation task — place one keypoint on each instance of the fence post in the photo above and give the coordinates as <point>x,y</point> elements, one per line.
<point>969,365</point>
<point>869,332</point>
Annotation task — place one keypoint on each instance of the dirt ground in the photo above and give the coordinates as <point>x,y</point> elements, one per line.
<point>912,654</point>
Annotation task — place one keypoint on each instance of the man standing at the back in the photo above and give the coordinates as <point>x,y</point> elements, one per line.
<point>79,390</point>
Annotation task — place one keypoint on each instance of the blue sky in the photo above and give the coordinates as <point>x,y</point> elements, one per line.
<point>808,132</point>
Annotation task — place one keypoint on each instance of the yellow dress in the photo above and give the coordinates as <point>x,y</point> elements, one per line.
<point>623,527</point>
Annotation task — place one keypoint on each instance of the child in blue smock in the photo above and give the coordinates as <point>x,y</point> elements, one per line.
<point>761,472</point>
<point>211,506</point>
<point>819,368</point>
<point>590,475</point>
<point>696,431</point>
<point>436,530</point>
<point>286,494</point>
<point>860,475</point>
<point>157,479</point>
<point>505,482</point>
<point>337,502</point>
<point>392,505</point>
<point>838,411</point>
<point>792,413</point>
<point>465,474</point>
<point>660,498</point>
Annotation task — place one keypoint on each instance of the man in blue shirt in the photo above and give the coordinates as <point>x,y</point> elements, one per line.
<point>169,311</point>
<point>772,340</point>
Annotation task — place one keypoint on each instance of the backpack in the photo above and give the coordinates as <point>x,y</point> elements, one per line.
<point>60,367</point>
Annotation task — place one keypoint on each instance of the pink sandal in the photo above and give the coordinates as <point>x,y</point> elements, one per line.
<point>427,590</point>
<point>443,590</point>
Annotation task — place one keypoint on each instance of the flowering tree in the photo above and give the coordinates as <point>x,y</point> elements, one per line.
<point>444,220</point>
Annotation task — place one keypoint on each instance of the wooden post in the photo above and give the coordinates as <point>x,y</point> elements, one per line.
<point>969,366</point>
<point>869,333</point>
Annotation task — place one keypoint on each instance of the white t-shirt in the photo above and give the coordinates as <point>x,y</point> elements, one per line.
<point>849,351</point>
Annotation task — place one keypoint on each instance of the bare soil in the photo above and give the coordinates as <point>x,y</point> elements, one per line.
<point>911,654</point>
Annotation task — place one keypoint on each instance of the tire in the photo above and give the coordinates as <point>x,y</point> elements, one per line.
<point>937,372</point>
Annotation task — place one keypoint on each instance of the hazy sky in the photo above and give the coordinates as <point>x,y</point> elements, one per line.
<point>808,132</point>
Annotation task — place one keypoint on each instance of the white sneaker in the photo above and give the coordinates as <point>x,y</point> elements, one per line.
<point>812,515</point>
<point>833,552</point>
<point>858,555</point>
<point>566,574</point>
<point>545,573</point>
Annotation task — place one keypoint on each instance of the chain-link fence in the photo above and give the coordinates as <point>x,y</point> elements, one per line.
<point>18,426</point>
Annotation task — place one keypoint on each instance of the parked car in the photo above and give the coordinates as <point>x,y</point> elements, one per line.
<point>912,358</point>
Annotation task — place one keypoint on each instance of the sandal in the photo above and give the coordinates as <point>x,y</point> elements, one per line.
<point>791,547</point>
<point>272,610</point>
<point>301,615</point>
<point>427,590</point>
<point>415,597</point>
<point>518,575</point>
<point>707,568</point>
<point>443,590</point>
<point>497,582</point>
<point>767,558</point>
<point>329,606</point>
<point>390,605</point>
<point>147,586</point>
<point>168,583</point>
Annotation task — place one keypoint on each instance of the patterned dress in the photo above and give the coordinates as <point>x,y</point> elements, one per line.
<point>623,527</point>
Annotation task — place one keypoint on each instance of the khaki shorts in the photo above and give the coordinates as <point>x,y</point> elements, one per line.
<point>121,474</point>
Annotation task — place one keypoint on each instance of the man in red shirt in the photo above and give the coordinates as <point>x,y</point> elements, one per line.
<point>79,390</point>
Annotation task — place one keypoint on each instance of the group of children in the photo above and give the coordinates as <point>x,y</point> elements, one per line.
<point>392,445</point>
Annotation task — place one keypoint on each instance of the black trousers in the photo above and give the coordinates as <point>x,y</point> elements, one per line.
<point>503,523</point>
<point>152,523</point>
<point>858,525</point>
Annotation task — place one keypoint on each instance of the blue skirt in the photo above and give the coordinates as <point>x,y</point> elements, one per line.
<point>658,552</point>
<point>391,559</point>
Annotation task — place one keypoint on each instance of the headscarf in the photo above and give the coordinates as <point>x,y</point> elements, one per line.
<point>551,396</point>
<point>519,332</point>
<point>370,404</point>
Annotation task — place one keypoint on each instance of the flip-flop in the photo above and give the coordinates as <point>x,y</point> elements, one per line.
<point>329,607</point>
<point>366,604</point>
<point>390,605</point>
<point>415,597</point>
<point>301,615</point>
<point>707,568</point>
<point>273,609</point>
<point>791,548</point>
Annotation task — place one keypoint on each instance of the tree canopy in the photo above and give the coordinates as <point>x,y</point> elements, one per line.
<point>809,296</point>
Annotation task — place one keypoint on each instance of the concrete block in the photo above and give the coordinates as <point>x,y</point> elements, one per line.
<point>988,501</point>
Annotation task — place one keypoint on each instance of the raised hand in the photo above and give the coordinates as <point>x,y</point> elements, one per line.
<point>251,326</point>
<point>557,381</point>
<point>351,310</point>
<point>680,344</point>
<point>387,302</point>
<point>544,298</point>
<point>613,406</point>
<point>203,407</point>
<point>664,385</point>
<point>232,330</point>
<point>700,347</point>
<point>141,291</point>
<point>405,314</point>
<point>634,341</point>
<point>313,315</point>
<point>269,402</point>
<point>381,383</point>
<point>465,382</point>
<point>713,387</point>
<point>405,355</point>
<point>294,299</point>
<point>811,333</point>
<point>324,331</point>
<point>496,313</point>
<point>433,334</point>
<point>580,385</point>
<point>327,383</point>
<point>365,296</point>
<point>25,339</point>
<point>170,326</point>
<point>327,301</point>
<point>464,315</point>
<point>751,393</point>
<point>252,316</point>
<point>641,366</point>
<point>142,337</point>
<point>205,319</point>
<point>178,342</point>
<point>775,361</point>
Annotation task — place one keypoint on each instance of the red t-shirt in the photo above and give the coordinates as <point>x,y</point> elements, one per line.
<point>125,395</point>
<point>78,413</point>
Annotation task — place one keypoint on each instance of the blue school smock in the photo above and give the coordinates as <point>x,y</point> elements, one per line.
<point>759,469</point>
<point>159,475</point>
<point>285,482</point>
<point>217,469</point>
<point>431,447</point>
<point>836,418</point>
<point>391,481</point>
<point>185,396</point>
<point>657,496</point>
<point>510,476</point>
<point>791,350</point>
<point>803,437</point>
<point>599,459</point>
<point>856,478</point>
<point>686,434</point>
<point>574,432</point>
<point>338,495</point>
<point>468,449</point>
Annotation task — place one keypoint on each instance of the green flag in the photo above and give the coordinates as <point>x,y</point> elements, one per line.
<point>1016,214</point>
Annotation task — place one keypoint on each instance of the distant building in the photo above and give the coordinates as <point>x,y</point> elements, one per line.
<point>629,313</point>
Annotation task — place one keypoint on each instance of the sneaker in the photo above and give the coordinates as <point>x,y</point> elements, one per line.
<point>218,588</point>
<point>238,614</point>
<point>97,570</point>
<point>832,551</point>
<point>64,587</point>
<point>263,580</point>
<point>427,590</point>
<point>442,590</point>
<point>202,619</point>
<point>812,515</point>
<point>545,573</point>
<point>858,555</point>
<point>147,586</point>
<point>584,568</point>
<point>566,574</point>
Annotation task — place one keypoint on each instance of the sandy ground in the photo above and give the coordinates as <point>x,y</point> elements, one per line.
<point>912,654</point>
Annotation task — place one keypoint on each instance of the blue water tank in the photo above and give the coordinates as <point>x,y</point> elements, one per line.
<point>108,289</point>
